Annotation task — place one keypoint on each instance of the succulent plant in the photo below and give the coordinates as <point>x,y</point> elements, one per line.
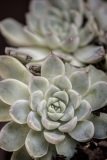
<point>51,113</point>
<point>54,25</point>
<point>98,10</point>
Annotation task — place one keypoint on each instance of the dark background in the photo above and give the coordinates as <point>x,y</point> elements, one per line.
<point>15,9</point>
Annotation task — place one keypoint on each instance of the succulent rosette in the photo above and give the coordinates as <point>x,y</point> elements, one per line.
<point>98,10</point>
<point>51,113</point>
<point>54,25</point>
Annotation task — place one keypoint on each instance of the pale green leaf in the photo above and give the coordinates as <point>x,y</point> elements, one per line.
<point>48,156</point>
<point>62,95</point>
<point>90,54</point>
<point>12,136</point>
<point>34,121</point>
<point>71,43</point>
<point>55,116</point>
<point>68,114</point>
<point>80,81</point>
<point>67,147</point>
<point>97,95</point>
<point>83,132</point>
<point>54,137</point>
<point>38,83</point>
<point>100,124</point>
<point>12,68</point>
<point>74,99</point>
<point>36,145</point>
<point>36,98</point>
<point>4,112</point>
<point>52,67</point>
<point>21,154</point>
<point>96,75</point>
<point>48,124</point>
<point>69,126</point>
<point>26,54</point>
<point>12,90</point>
<point>83,111</point>
<point>19,111</point>
<point>13,31</point>
<point>62,82</point>
<point>52,89</point>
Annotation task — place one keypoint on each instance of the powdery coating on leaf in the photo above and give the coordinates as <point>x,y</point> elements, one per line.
<point>52,113</point>
<point>58,27</point>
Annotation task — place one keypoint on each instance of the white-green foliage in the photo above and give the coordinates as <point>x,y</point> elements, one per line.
<point>51,113</point>
<point>98,9</point>
<point>54,26</point>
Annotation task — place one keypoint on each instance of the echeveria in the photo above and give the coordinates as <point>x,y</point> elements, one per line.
<point>51,113</point>
<point>98,9</point>
<point>54,25</point>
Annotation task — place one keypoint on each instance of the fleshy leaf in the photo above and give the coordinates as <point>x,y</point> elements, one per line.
<point>4,112</point>
<point>19,111</point>
<point>101,16</point>
<point>72,42</point>
<point>12,90</point>
<point>26,54</point>
<point>32,22</point>
<point>54,137</point>
<point>90,54</point>
<point>36,98</point>
<point>12,68</point>
<point>74,99</point>
<point>60,4</point>
<point>41,110</point>
<point>84,39</point>
<point>83,111</point>
<point>80,81</point>
<point>83,132</point>
<point>69,126</point>
<point>52,67</point>
<point>51,100</point>
<point>62,82</point>
<point>62,95</point>
<point>39,7</point>
<point>14,33</point>
<point>52,89</point>
<point>66,5</point>
<point>100,124</point>
<point>48,156</point>
<point>36,145</point>
<point>97,95</point>
<point>69,69</point>
<point>48,124</point>
<point>34,121</point>
<point>68,114</point>
<point>53,38</point>
<point>38,83</point>
<point>94,4</point>
<point>67,147</point>
<point>12,136</point>
<point>96,75</point>
<point>87,33</point>
<point>55,116</point>
<point>21,154</point>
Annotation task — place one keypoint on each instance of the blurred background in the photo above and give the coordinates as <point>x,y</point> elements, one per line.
<point>15,9</point>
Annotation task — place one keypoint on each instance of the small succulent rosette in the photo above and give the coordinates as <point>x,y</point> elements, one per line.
<point>54,25</point>
<point>51,113</point>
